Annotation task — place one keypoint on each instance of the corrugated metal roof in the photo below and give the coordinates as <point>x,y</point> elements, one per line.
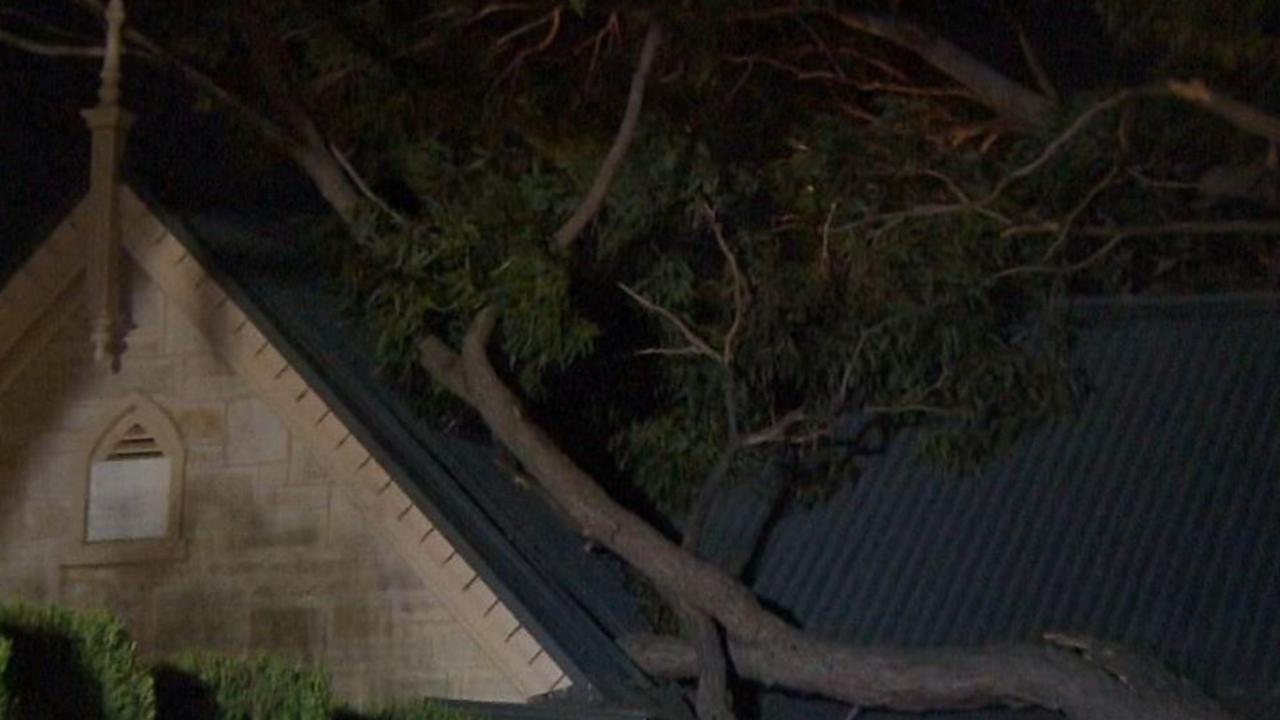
<point>1148,516</point>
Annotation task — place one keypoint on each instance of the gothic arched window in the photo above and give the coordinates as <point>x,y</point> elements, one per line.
<point>132,485</point>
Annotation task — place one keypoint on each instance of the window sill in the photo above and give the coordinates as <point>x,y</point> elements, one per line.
<point>122,552</point>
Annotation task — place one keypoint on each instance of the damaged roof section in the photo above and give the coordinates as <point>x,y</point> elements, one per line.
<point>1146,517</point>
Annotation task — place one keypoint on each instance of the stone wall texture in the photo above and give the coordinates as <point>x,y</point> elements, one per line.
<point>279,557</point>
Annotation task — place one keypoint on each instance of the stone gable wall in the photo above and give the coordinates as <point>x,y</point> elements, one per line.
<point>279,558</point>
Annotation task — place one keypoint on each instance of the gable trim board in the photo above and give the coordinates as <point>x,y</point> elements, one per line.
<point>44,293</point>
<point>40,296</point>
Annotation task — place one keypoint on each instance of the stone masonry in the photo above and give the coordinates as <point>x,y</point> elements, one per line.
<point>279,557</point>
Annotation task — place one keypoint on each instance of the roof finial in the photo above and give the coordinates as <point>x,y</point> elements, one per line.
<point>109,124</point>
<point>109,91</point>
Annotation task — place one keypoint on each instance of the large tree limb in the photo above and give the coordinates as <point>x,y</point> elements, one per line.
<point>990,86</point>
<point>1081,678</point>
<point>594,199</point>
<point>998,91</point>
<point>713,699</point>
<point>783,655</point>
<point>307,144</point>
<point>1245,117</point>
<point>672,570</point>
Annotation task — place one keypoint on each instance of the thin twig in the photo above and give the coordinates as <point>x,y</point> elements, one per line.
<point>1137,174</point>
<point>35,47</point>
<point>523,55</point>
<point>1182,227</point>
<point>363,187</point>
<point>824,257</point>
<point>779,431</point>
<point>740,296</point>
<point>1118,234</point>
<point>1065,226</point>
<point>594,199</point>
<point>1080,123</point>
<point>822,46</point>
<point>1033,60</point>
<point>798,73</point>
<point>697,345</point>
<point>553,17</point>
<point>611,31</point>
<point>874,62</point>
<point>914,408</point>
<point>963,197</point>
<point>492,8</point>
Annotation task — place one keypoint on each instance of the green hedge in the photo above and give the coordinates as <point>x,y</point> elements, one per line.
<point>72,665</point>
<point>206,687</point>
<point>61,665</point>
<point>6,648</point>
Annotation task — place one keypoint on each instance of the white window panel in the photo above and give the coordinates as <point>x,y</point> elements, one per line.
<point>128,499</point>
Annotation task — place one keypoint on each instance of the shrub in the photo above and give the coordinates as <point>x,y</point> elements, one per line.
<point>56,664</point>
<point>206,687</point>
<point>5,648</point>
<point>73,665</point>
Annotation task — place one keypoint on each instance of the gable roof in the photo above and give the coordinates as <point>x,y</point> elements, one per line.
<point>1148,516</point>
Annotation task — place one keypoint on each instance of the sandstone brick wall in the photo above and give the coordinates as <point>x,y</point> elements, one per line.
<point>279,557</point>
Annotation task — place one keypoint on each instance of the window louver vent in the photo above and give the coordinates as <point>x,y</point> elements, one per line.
<point>135,444</point>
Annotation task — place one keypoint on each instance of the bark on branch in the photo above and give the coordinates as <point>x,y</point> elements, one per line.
<point>595,196</point>
<point>998,91</point>
<point>1245,117</point>
<point>992,87</point>
<point>1081,678</point>
<point>305,143</point>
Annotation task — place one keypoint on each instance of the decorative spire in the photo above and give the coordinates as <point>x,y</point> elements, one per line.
<point>109,125</point>
<point>109,92</point>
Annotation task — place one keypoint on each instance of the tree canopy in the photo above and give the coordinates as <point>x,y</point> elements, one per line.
<point>700,234</point>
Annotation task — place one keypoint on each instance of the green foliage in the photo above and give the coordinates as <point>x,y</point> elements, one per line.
<point>1215,36</point>
<point>58,664</point>
<point>73,665</point>
<point>482,239</point>
<point>6,649</point>
<point>877,286</point>
<point>219,688</point>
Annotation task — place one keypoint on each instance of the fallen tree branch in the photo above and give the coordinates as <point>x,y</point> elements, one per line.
<point>779,653</point>
<point>1081,681</point>
<point>594,199</point>
<point>712,700</point>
